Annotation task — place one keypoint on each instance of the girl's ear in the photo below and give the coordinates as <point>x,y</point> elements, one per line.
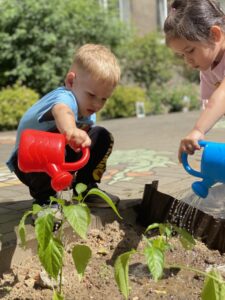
<point>216,33</point>
<point>69,79</point>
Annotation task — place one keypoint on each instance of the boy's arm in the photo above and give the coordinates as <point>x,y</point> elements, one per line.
<point>213,111</point>
<point>66,124</point>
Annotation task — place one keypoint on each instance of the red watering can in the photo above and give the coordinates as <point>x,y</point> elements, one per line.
<point>41,151</point>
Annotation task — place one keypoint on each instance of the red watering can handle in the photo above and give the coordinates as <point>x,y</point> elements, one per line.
<point>73,166</point>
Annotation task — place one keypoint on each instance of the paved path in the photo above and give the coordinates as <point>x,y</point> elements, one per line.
<point>145,150</point>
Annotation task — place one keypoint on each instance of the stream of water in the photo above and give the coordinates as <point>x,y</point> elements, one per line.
<point>183,214</point>
<point>66,194</point>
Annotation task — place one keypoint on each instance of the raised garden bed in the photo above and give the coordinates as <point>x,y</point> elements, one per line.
<point>116,237</point>
<point>158,207</point>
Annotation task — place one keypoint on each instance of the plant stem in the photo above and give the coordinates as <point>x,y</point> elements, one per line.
<point>205,274</point>
<point>61,269</point>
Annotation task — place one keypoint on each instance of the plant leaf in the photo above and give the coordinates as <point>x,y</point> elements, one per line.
<point>58,200</point>
<point>44,229</point>
<point>78,198</point>
<point>54,199</point>
<point>81,255</point>
<point>78,217</point>
<point>104,196</point>
<point>36,208</point>
<point>22,229</point>
<point>121,269</point>
<point>152,226</point>
<point>185,238</point>
<point>165,229</point>
<point>51,257</point>
<point>155,261</point>
<point>57,296</point>
<point>80,188</point>
<point>160,243</point>
<point>213,289</point>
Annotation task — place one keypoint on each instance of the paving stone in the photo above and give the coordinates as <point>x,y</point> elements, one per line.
<point>153,134</point>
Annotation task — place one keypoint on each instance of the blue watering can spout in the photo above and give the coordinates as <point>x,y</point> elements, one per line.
<point>201,188</point>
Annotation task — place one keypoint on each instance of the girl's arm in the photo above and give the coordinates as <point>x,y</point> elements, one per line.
<point>213,111</point>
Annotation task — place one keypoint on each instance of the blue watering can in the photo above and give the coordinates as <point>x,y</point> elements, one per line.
<point>212,167</point>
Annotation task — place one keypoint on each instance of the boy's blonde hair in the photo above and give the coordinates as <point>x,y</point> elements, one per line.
<point>99,62</point>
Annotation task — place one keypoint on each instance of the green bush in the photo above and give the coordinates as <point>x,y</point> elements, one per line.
<point>14,101</point>
<point>147,60</point>
<point>174,99</point>
<point>38,38</point>
<point>157,98</point>
<point>184,96</point>
<point>191,75</point>
<point>123,102</point>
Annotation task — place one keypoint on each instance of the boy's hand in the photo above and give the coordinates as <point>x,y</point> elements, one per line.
<point>77,138</point>
<point>66,124</point>
<point>190,143</point>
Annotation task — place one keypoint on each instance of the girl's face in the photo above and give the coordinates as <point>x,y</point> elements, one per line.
<point>196,54</point>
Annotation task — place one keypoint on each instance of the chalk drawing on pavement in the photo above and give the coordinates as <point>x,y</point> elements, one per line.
<point>125,165</point>
<point>7,178</point>
<point>220,124</point>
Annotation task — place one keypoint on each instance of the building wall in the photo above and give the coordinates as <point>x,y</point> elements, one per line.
<point>222,4</point>
<point>144,15</point>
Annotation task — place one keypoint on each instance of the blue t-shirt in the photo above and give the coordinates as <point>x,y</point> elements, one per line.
<point>34,117</point>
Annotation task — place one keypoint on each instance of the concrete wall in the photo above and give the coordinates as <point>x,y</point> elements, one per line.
<point>144,15</point>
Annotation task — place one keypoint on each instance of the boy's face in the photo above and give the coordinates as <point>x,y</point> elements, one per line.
<point>91,94</point>
<point>197,55</point>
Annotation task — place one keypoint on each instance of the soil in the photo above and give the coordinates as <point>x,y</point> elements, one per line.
<point>23,281</point>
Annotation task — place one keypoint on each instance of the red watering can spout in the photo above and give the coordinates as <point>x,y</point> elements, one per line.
<point>41,151</point>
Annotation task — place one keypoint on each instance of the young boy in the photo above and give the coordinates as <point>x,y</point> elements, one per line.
<point>71,110</point>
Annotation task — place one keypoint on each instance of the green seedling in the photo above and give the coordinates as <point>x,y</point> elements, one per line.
<point>50,243</point>
<point>154,252</point>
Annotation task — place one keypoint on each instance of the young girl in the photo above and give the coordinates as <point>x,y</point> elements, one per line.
<point>195,30</point>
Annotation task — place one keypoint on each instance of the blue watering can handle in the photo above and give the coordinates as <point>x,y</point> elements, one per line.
<point>184,158</point>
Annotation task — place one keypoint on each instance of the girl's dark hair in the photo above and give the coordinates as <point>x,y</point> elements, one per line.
<point>192,20</point>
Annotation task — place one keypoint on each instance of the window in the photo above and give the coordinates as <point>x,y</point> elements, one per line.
<point>162,12</point>
<point>103,3</point>
<point>124,9</point>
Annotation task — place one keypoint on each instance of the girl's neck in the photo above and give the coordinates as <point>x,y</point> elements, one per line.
<point>217,59</point>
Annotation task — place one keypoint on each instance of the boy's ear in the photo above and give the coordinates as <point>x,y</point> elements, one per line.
<point>216,33</point>
<point>69,79</point>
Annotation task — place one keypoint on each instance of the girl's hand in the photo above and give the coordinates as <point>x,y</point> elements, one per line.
<point>77,138</point>
<point>190,143</point>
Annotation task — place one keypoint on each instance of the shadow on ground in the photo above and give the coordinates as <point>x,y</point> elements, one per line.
<point>10,216</point>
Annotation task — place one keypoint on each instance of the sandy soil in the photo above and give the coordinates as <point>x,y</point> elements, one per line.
<point>23,281</point>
